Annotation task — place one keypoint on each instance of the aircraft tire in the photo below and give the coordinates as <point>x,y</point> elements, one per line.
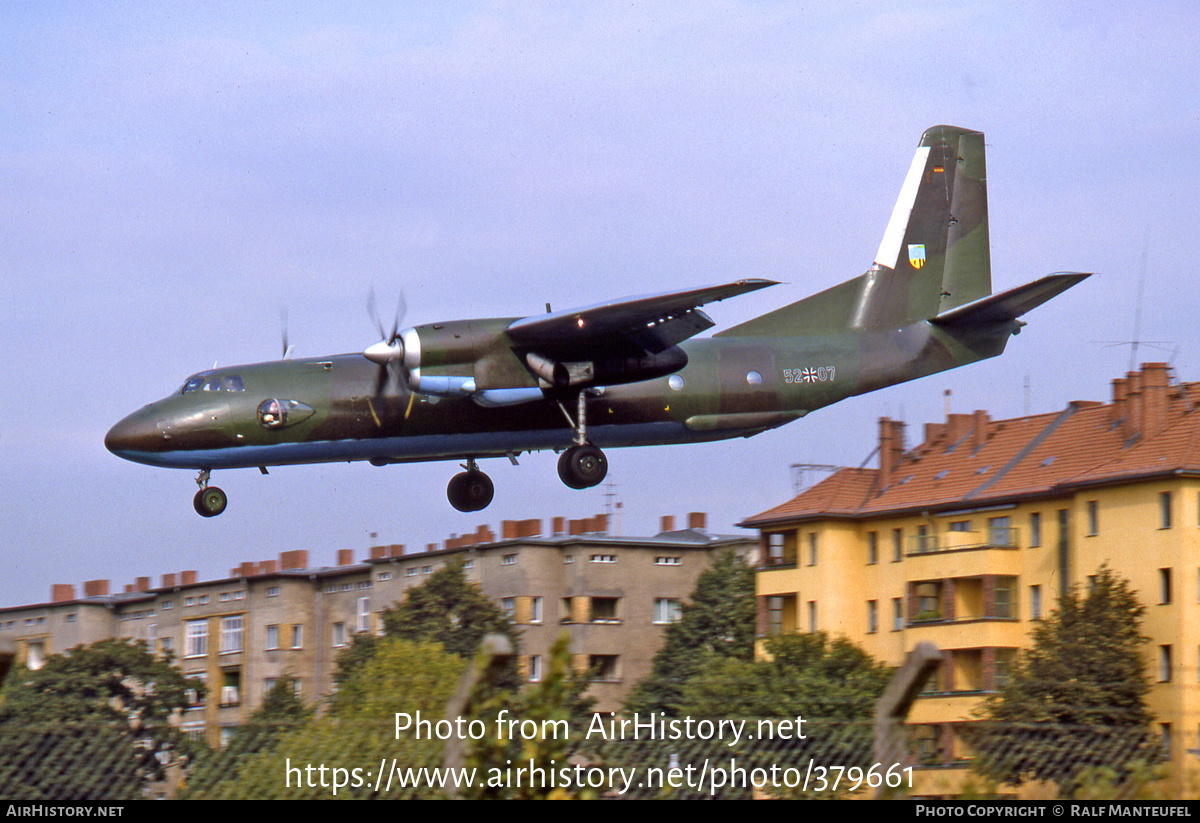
<point>581,467</point>
<point>210,501</point>
<point>470,491</point>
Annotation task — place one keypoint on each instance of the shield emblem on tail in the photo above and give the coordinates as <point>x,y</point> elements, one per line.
<point>916,256</point>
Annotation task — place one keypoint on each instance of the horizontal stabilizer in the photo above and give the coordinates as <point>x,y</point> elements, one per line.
<point>1011,304</point>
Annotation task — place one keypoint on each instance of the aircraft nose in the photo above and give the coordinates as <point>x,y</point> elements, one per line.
<point>136,433</point>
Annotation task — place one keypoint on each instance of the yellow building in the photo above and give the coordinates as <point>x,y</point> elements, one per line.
<point>969,536</point>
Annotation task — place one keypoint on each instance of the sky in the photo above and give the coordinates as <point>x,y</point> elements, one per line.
<point>173,175</point>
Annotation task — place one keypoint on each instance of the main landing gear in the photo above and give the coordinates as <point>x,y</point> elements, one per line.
<point>470,490</point>
<point>209,501</point>
<point>582,465</point>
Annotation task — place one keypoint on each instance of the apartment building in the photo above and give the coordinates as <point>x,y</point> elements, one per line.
<point>969,536</point>
<point>613,595</point>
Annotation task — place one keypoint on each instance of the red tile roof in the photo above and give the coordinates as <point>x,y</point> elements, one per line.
<point>1150,429</point>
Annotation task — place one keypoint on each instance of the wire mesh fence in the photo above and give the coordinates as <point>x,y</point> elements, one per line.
<point>733,758</point>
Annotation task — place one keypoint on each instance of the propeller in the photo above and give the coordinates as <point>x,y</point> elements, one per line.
<point>390,348</point>
<point>283,331</point>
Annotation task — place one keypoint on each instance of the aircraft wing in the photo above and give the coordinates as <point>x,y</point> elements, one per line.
<point>652,323</point>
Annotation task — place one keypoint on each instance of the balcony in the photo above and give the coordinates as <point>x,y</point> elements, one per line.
<point>996,537</point>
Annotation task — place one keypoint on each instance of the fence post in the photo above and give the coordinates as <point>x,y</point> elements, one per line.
<point>891,711</point>
<point>489,662</point>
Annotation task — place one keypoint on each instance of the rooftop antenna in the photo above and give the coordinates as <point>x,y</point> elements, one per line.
<point>613,507</point>
<point>1137,314</point>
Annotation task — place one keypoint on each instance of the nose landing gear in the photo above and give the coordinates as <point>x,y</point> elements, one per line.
<point>209,501</point>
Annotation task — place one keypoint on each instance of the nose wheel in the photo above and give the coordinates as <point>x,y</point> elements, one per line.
<point>209,501</point>
<point>471,490</point>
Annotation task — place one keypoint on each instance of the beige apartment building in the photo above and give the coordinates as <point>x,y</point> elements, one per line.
<point>613,595</point>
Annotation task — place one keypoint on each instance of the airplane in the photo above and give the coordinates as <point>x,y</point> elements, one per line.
<point>614,374</point>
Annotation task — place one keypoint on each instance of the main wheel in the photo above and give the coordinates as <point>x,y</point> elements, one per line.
<point>581,467</point>
<point>470,491</point>
<point>210,501</point>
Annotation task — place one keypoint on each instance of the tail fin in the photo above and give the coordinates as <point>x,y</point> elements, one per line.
<point>934,255</point>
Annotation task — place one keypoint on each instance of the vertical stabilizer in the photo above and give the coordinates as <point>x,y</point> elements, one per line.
<point>933,257</point>
<point>934,254</point>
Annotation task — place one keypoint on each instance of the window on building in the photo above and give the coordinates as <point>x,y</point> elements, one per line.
<point>535,610</point>
<point>339,634</point>
<point>508,605</point>
<point>297,637</point>
<point>812,549</point>
<point>272,636</point>
<point>231,688</point>
<point>929,601</point>
<point>364,615</point>
<point>168,604</point>
<point>1164,664</point>
<point>508,560</point>
<point>1006,597</point>
<point>872,548</point>
<point>897,545</point>
<point>1164,510</point>
<point>897,613</point>
<point>388,575</point>
<point>1093,516</point>
<point>535,668</point>
<point>775,615</point>
<point>272,591</point>
<point>671,560</point>
<point>1035,602</point>
<point>604,558</point>
<point>231,634</point>
<point>604,609</point>
<point>812,615</point>
<point>1165,732</point>
<point>872,616</point>
<point>1035,529</point>
<point>922,538</point>
<point>960,526</point>
<point>197,638</point>
<point>666,610</point>
<point>1164,586</point>
<point>605,667</point>
<point>468,565</point>
<point>195,695</point>
<point>1000,531</point>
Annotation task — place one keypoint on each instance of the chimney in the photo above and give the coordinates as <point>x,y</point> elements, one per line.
<point>599,524</point>
<point>345,557</point>
<point>979,430</point>
<point>891,449</point>
<point>484,534</point>
<point>1133,415</point>
<point>168,580</point>
<point>1156,382</point>
<point>378,552</point>
<point>529,528</point>
<point>576,527</point>
<point>294,559</point>
<point>933,431</point>
<point>245,569</point>
<point>957,426</point>
<point>508,529</point>
<point>143,584</point>
<point>668,523</point>
<point>559,526</point>
<point>1120,393</point>
<point>95,588</point>
<point>697,520</point>
<point>268,567</point>
<point>62,593</point>
<point>397,550</point>
<point>187,578</point>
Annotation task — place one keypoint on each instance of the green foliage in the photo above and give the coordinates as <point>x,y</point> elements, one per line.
<point>115,693</point>
<point>717,624</point>
<point>450,610</point>
<point>554,706</point>
<point>358,736</point>
<point>1077,698</point>
<point>805,674</point>
<point>280,712</point>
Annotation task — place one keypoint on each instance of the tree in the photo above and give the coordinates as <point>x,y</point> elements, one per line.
<point>1076,699</point>
<point>802,674</point>
<point>346,748</point>
<point>450,610</point>
<point>101,714</point>
<point>718,622</point>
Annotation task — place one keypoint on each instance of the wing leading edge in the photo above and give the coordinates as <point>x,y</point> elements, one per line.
<point>653,323</point>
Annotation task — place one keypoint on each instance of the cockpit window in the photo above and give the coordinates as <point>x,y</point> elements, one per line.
<point>213,382</point>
